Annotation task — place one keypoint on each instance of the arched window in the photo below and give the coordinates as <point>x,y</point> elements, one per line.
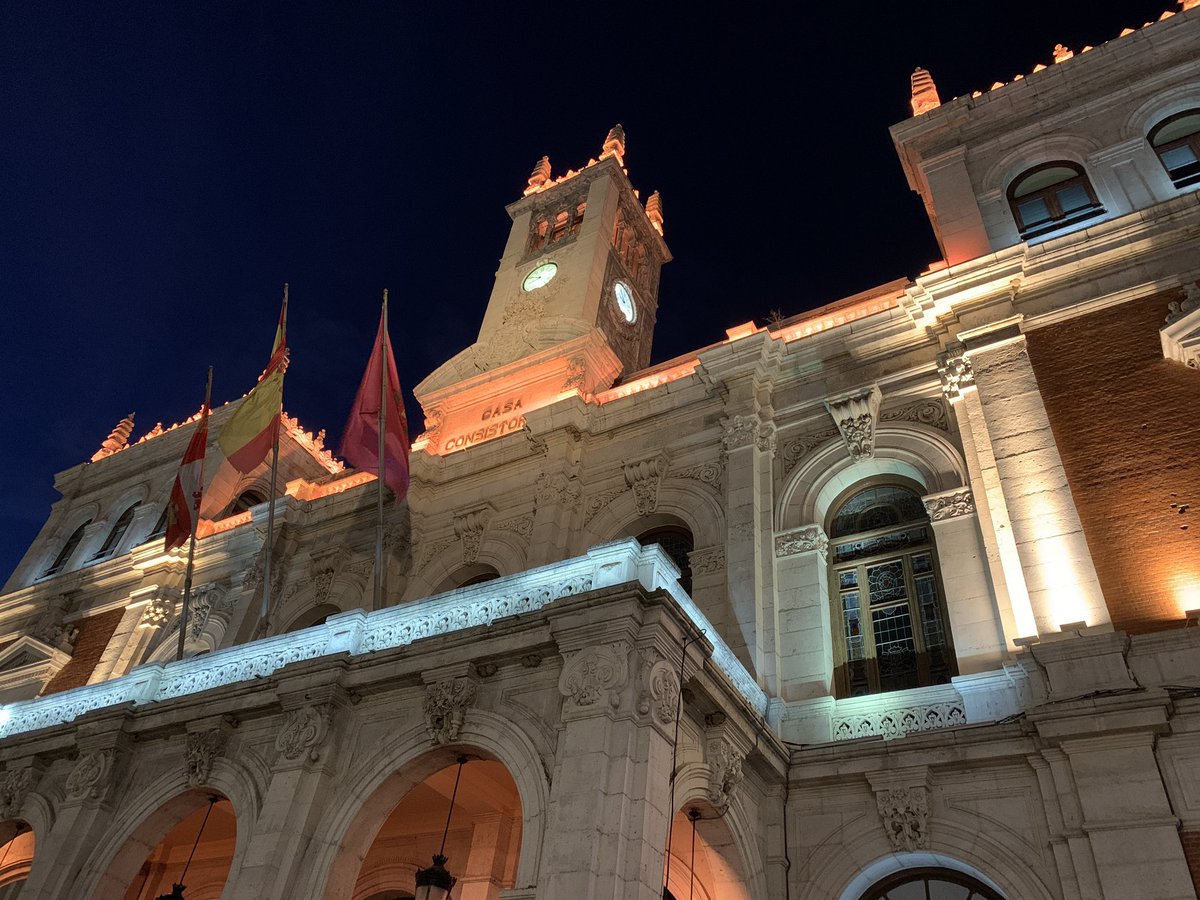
<point>889,614</point>
<point>64,555</point>
<point>930,884</point>
<point>113,540</point>
<point>160,527</point>
<point>246,500</point>
<point>677,542</point>
<point>1051,196</point>
<point>1176,140</point>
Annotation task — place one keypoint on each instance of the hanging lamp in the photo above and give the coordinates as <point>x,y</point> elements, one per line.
<point>178,888</point>
<point>435,882</point>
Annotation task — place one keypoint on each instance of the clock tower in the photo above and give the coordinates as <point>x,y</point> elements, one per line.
<point>573,305</point>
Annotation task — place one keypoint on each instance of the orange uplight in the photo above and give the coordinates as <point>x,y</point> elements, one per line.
<point>652,380</point>
<point>208,527</point>
<point>303,489</point>
<point>836,317</point>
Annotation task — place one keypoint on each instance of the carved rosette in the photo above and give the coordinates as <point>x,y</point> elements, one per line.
<point>644,476</point>
<point>594,677</point>
<point>14,785</point>
<point>203,748</point>
<point>707,561</point>
<point>725,770</point>
<point>304,730</point>
<point>904,813</point>
<point>855,416</point>
<point>950,504</point>
<point>659,689</point>
<point>745,431</point>
<point>90,776</point>
<point>446,704</point>
<point>801,540</point>
<point>956,373</point>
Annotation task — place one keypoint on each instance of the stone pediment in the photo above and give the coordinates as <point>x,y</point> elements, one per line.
<point>28,659</point>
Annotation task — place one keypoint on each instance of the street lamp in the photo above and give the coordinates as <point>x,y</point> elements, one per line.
<point>435,882</point>
<point>178,888</point>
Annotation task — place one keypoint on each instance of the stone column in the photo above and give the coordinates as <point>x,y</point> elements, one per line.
<point>559,496</point>
<point>749,444</point>
<point>295,798</point>
<point>485,863</point>
<point>978,638</point>
<point>608,812</point>
<point>1029,478</point>
<point>805,627</point>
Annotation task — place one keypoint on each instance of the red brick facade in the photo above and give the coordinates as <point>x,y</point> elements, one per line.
<point>94,634</point>
<point>1191,852</point>
<point>1127,423</point>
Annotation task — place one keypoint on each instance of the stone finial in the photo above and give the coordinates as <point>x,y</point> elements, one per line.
<point>1185,5</point>
<point>117,440</point>
<point>539,176</point>
<point>614,144</point>
<point>1061,53</point>
<point>654,211</point>
<point>924,93</point>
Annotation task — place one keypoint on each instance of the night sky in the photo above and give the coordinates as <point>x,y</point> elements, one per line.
<point>165,167</point>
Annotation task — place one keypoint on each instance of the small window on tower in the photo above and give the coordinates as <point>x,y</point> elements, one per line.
<point>538,239</point>
<point>118,531</point>
<point>560,227</point>
<point>64,555</point>
<point>577,218</point>
<point>1050,196</point>
<point>1176,140</point>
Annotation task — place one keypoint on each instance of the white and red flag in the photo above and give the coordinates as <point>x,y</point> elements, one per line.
<point>183,509</point>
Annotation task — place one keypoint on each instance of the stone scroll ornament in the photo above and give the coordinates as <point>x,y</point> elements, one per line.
<point>90,775</point>
<point>203,748</point>
<point>659,695</point>
<point>950,505</point>
<point>905,816</point>
<point>725,771</point>
<point>446,705</point>
<point>304,730</point>
<point>855,416</point>
<point>14,785</point>
<point>594,677</point>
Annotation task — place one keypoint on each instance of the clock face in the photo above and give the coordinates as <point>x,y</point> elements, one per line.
<point>625,305</point>
<point>539,277</point>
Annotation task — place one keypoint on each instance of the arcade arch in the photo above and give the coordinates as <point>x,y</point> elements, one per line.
<point>703,861</point>
<point>16,857</point>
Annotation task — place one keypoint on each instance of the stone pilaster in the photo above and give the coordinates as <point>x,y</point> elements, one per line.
<point>805,628</point>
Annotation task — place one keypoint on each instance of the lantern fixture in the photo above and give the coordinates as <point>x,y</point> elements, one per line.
<point>436,882</point>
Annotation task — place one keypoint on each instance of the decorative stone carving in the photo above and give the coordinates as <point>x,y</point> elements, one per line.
<point>855,415</point>
<point>429,551</point>
<point>203,748</point>
<point>576,374</point>
<point>660,688</point>
<point>446,704</point>
<point>14,785</point>
<point>1177,309</point>
<point>469,527</point>
<point>924,93</point>
<point>950,504</point>
<point>644,476</point>
<point>1180,335</point>
<point>324,567</point>
<point>801,540</point>
<point>395,540</point>
<point>52,630</point>
<point>894,723</point>
<point>654,211</point>
<point>522,526</point>
<point>208,602</point>
<point>956,373</point>
<point>540,175</point>
<point>905,816</point>
<point>742,431</point>
<point>798,448</point>
<point>707,561</point>
<point>711,474</point>
<point>922,412</point>
<point>117,441</point>
<point>304,730</point>
<point>725,770</point>
<point>599,501</point>
<point>158,612</point>
<point>594,676</point>
<point>88,778</point>
<point>558,490</point>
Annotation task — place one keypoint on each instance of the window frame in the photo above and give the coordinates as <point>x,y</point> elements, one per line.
<point>841,661</point>
<point>1049,195</point>
<point>923,875</point>
<point>68,549</point>
<point>116,535</point>
<point>1189,140</point>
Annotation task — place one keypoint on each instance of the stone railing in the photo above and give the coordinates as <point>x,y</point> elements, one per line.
<point>358,632</point>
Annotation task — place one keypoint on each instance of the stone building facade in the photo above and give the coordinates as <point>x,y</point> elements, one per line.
<point>902,591</point>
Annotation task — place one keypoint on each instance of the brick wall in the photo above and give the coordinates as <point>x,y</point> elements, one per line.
<point>1127,423</point>
<point>94,635</point>
<point>1191,852</point>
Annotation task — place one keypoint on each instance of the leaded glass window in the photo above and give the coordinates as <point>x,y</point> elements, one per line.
<point>889,607</point>
<point>930,884</point>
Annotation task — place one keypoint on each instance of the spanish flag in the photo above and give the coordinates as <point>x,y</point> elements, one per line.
<point>251,431</point>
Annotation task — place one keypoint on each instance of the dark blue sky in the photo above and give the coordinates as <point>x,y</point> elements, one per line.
<point>165,167</point>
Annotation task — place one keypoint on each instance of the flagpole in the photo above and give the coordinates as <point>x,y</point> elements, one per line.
<point>264,621</point>
<point>187,579</point>
<point>382,469</point>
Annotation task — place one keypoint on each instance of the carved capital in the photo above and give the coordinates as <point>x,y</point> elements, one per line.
<point>904,813</point>
<point>956,372</point>
<point>949,504</point>
<point>744,431</point>
<point>558,490</point>
<point>446,704</point>
<point>644,476</point>
<point>594,677</point>
<point>89,779</point>
<point>14,785</point>
<point>725,770</point>
<point>801,540</point>
<point>304,731</point>
<point>855,416</point>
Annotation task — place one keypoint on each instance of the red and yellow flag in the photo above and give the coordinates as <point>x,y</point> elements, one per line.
<point>250,432</point>
<point>183,509</point>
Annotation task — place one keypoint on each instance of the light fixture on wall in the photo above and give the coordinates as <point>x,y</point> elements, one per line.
<point>435,882</point>
<point>178,888</point>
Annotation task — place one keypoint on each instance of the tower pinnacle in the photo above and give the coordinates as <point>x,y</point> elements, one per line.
<point>614,144</point>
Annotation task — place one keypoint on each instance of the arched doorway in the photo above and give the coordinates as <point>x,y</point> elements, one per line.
<point>197,851</point>
<point>482,841</point>
<point>702,862</point>
<point>16,857</point>
<point>930,884</point>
